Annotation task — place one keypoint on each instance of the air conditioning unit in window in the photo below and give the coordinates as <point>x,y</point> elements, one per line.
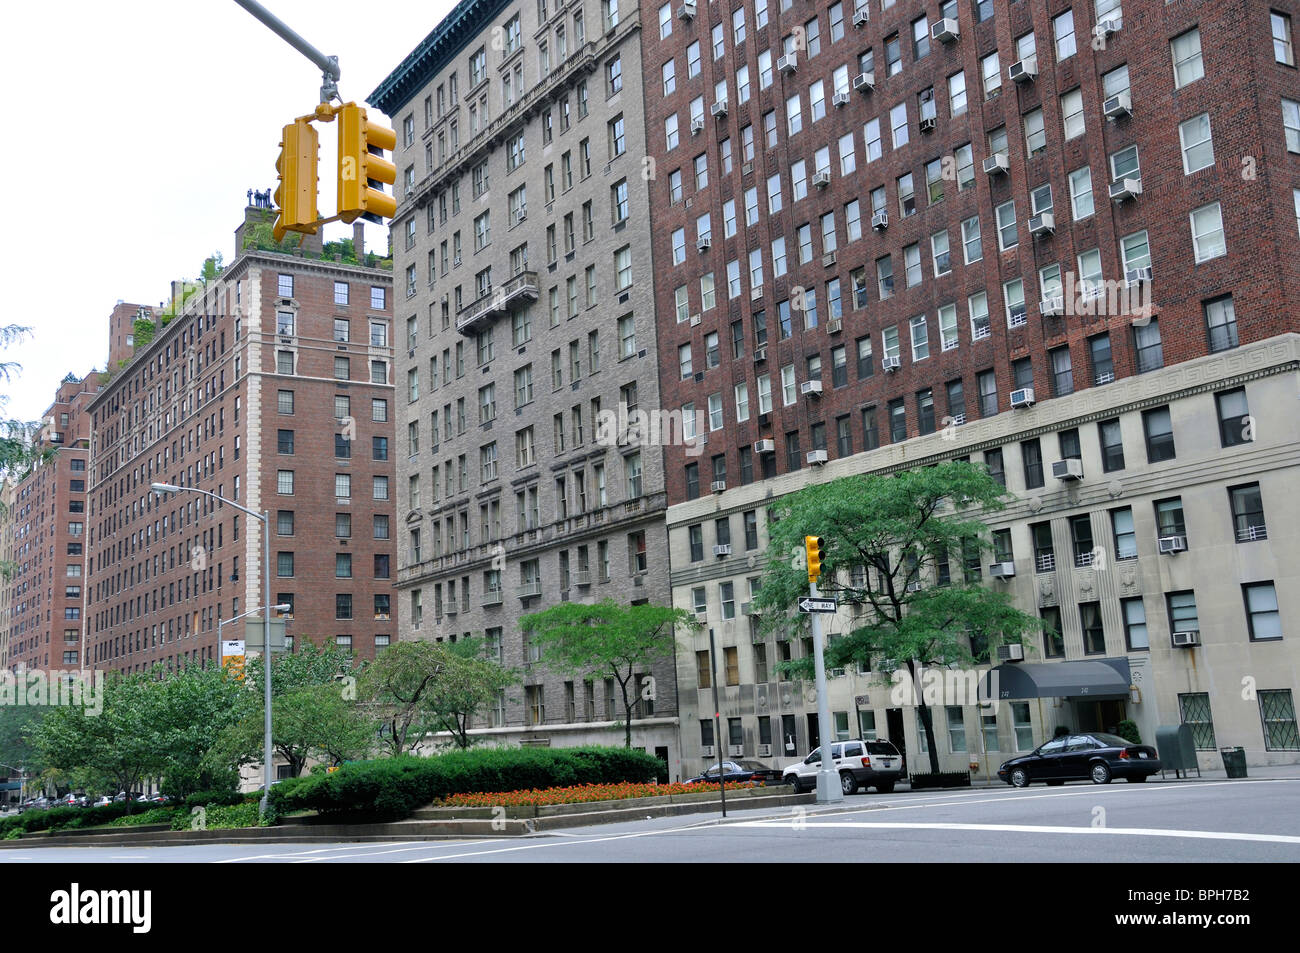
<point>945,30</point>
<point>695,320</point>
<point>1105,28</point>
<point>996,164</point>
<point>890,363</point>
<point>1170,545</point>
<point>1186,640</point>
<point>914,586</point>
<point>834,326</point>
<point>1070,469</point>
<point>722,549</point>
<point>736,751</point>
<point>707,751</point>
<point>1125,189</point>
<point>1137,276</point>
<point>719,108</point>
<point>1050,307</point>
<point>1043,224</point>
<point>1023,71</point>
<point>840,99</point>
<point>705,242</point>
<point>861,16</point>
<point>927,124</point>
<point>829,259</point>
<point>718,486</point>
<point>816,457</point>
<point>1011,653</point>
<point>1022,397</point>
<point>880,221</point>
<point>765,446</point>
<point>756,293</point>
<point>1121,104</point>
<point>864,82</point>
<point>765,751</point>
<point>821,179</point>
<point>686,11</point>
<point>1002,570</point>
<point>811,388</point>
<point>697,126</point>
<point>788,63</point>
<point>760,354</point>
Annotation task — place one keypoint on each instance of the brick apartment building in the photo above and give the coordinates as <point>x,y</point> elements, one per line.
<point>271,387</point>
<point>44,540</point>
<point>521,255</point>
<point>892,234</point>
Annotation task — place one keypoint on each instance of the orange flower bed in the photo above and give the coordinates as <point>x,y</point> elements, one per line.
<point>579,794</point>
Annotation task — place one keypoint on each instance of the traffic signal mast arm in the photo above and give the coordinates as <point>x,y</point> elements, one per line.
<point>329,65</point>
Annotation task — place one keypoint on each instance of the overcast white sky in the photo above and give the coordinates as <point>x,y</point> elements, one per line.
<point>146,123</point>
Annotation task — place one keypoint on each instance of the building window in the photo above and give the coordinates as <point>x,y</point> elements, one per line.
<point>1159,430</point>
<point>1094,637</point>
<point>1207,233</point>
<point>1032,455</point>
<point>1053,640</point>
<point>1235,423</point>
<point>1135,624</point>
<point>1262,615</point>
<point>1277,714</point>
<point>1182,612</point>
<point>1186,51</point>
<point>1221,323</point>
<point>1247,513</point>
<point>1194,710</point>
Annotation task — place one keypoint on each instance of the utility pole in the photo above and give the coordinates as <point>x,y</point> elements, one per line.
<point>828,779</point>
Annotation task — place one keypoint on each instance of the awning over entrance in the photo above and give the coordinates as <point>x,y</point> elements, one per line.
<point>1092,678</point>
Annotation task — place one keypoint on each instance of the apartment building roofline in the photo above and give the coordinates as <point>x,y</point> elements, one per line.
<point>448,38</point>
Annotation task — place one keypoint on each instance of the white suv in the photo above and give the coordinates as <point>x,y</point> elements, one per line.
<point>875,764</point>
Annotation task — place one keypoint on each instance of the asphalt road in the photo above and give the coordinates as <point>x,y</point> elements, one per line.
<point>1176,822</point>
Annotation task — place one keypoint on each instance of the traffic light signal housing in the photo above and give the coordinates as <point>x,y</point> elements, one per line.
<point>814,546</point>
<point>295,196</point>
<point>363,171</point>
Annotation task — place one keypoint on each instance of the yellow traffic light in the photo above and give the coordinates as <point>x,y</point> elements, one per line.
<point>295,196</point>
<point>363,171</point>
<point>813,545</point>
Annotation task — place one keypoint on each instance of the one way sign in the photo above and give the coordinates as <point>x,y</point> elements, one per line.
<point>809,604</point>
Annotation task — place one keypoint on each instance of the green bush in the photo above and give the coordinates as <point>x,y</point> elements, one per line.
<point>394,787</point>
<point>61,818</point>
<point>219,817</point>
<point>1128,730</point>
<point>207,798</point>
<point>156,815</point>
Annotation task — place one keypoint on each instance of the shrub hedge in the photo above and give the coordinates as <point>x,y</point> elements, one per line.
<point>63,818</point>
<point>392,788</point>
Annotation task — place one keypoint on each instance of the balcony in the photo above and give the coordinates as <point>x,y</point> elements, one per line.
<point>519,291</point>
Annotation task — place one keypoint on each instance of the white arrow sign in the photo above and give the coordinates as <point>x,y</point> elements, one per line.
<point>809,604</point>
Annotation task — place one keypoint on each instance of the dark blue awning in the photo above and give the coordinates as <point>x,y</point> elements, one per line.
<point>1105,678</point>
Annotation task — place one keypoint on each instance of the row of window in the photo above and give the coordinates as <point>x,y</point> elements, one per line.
<point>342,292</point>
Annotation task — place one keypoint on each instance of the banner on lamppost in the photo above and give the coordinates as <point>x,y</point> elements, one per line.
<point>232,658</point>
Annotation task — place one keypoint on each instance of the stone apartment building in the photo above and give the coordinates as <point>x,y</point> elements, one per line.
<point>889,234</point>
<point>271,387</point>
<point>44,536</point>
<point>524,286</point>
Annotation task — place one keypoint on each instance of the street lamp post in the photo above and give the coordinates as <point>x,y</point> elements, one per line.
<point>163,489</point>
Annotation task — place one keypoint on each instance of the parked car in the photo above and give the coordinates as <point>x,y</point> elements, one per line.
<point>1097,757</point>
<point>859,763</point>
<point>740,771</point>
<point>103,801</point>
<point>70,801</point>
<point>160,799</point>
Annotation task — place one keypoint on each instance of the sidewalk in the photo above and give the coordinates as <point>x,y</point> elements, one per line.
<point>1288,772</point>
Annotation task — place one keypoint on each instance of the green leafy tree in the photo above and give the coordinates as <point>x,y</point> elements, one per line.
<point>192,707</point>
<point>468,683</point>
<point>310,665</point>
<point>396,689</point>
<point>885,540</point>
<point>607,639</point>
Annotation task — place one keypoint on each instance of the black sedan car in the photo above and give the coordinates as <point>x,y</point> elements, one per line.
<point>1097,757</point>
<point>739,771</point>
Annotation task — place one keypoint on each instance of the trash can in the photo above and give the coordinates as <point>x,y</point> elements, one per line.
<point>1234,761</point>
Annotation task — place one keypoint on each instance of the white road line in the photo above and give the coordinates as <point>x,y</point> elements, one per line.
<point>304,853</point>
<point>553,843</point>
<point>1037,829</point>
<point>395,850</point>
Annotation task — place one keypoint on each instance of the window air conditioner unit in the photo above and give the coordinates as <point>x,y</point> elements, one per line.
<point>736,751</point>
<point>996,164</point>
<point>1169,545</point>
<point>695,320</point>
<point>1011,653</point>
<point>756,293</point>
<point>1121,104</point>
<point>821,179</point>
<point>1002,570</point>
<point>760,354</point>
<point>834,326</point>
<point>890,363</point>
<point>914,586</point>
<point>861,17</point>
<point>719,108</point>
<point>718,486</point>
<point>811,388</point>
<point>697,126</point>
<point>1043,224</point>
<point>1049,307</point>
<point>456,263</point>
<point>1071,469</point>
<point>927,124</point>
<point>840,99</point>
<point>686,11</point>
<point>1137,276</point>
<point>864,82</point>
<point>765,751</point>
<point>1105,28</point>
<point>880,221</point>
<point>705,242</point>
<point>722,549</point>
<point>788,63</point>
<point>816,457</point>
<point>1023,71</point>
<point>707,751</point>
<point>829,259</point>
<point>1186,640</point>
<point>765,446</point>
<point>1022,397</point>
<point>945,30</point>
<point>1125,189</point>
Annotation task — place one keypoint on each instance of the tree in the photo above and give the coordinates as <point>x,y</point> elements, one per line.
<point>888,540</point>
<point>396,687</point>
<point>606,638</point>
<point>467,684</point>
<point>18,451</point>
<point>191,709</point>
<point>310,665</point>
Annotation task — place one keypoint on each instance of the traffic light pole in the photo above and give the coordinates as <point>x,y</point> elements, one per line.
<point>828,779</point>
<point>328,65</point>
